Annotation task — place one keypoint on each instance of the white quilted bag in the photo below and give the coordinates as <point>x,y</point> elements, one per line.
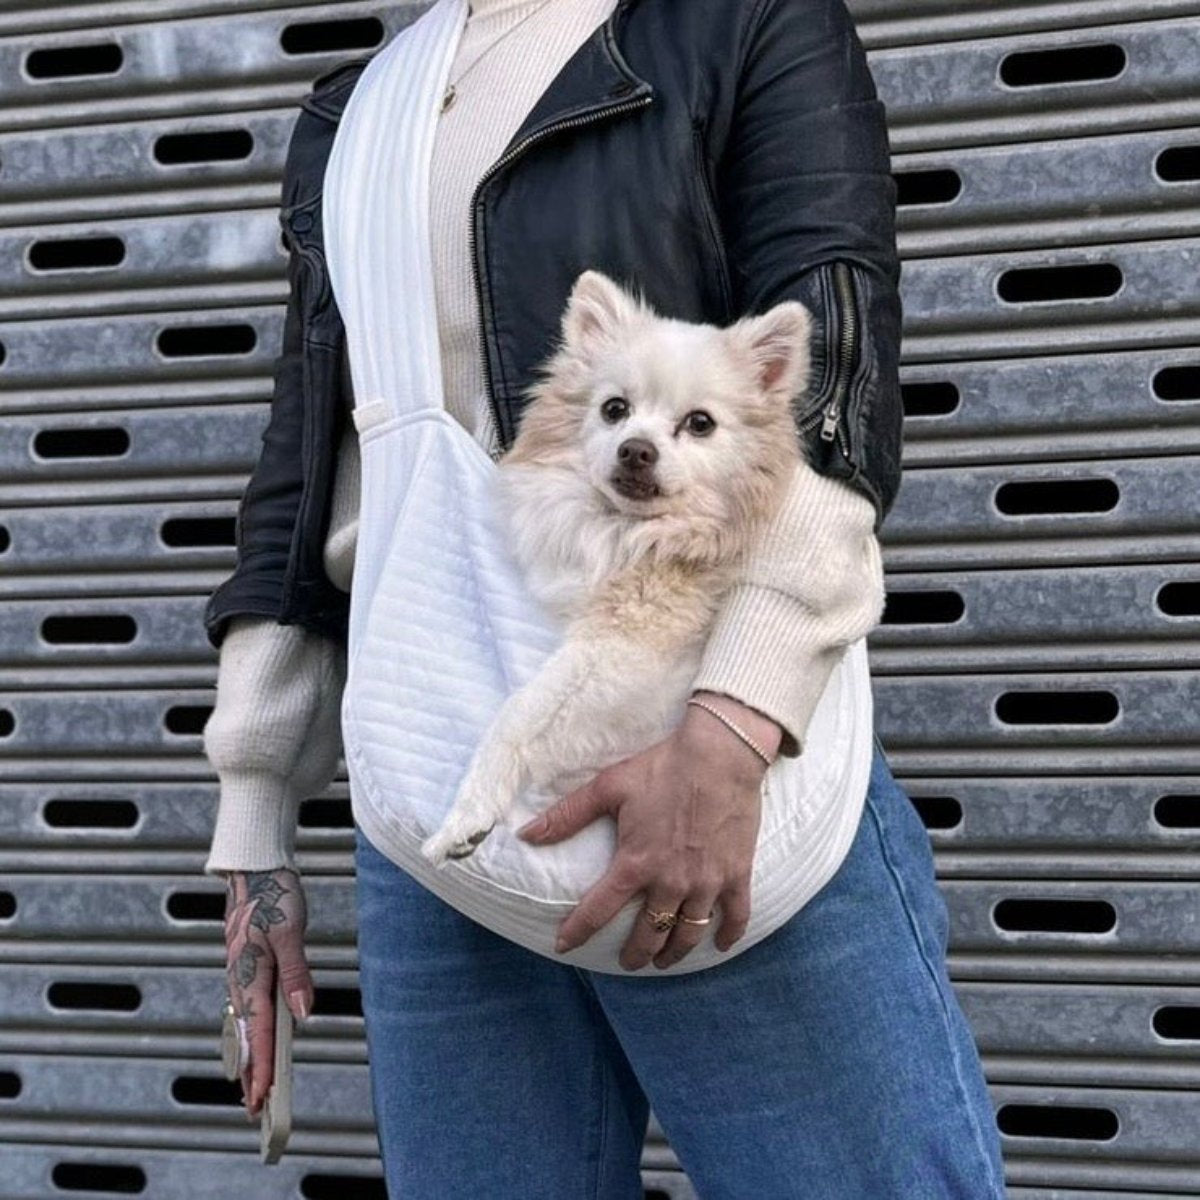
<point>442,627</point>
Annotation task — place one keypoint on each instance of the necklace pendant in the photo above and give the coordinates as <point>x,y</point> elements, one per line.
<point>449,98</point>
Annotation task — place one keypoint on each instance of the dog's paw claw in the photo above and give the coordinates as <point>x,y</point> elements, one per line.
<point>443,846</point>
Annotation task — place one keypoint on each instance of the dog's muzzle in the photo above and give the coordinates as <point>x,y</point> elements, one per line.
<point>634,487</point>
<point>634,476</point>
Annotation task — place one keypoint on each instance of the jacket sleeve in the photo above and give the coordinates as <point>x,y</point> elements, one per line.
<point>266,514</point>
<point>806,195</point>
<point>805,183</point>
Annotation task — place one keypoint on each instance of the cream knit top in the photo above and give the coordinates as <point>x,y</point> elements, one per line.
<point>814,584</point>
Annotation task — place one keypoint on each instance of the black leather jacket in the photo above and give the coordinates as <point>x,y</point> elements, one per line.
<point>722,155</point>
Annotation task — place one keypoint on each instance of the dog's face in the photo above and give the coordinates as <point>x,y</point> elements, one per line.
<point>665,416</point>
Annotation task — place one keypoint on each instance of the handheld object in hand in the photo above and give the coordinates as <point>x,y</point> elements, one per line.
<point>231,1058</point>
<point>276,1117</point>
<point>276,1124</point>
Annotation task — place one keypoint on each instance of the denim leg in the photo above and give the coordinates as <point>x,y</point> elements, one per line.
<point>494,1075</point>
<point>831,1061</point>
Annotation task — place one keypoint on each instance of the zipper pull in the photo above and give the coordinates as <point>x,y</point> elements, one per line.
<point>829,423</point>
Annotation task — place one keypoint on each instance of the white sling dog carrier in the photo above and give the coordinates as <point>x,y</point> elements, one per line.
<point>442,627</point>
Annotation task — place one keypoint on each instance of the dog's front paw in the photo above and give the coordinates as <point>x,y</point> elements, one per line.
<point>455,839</point>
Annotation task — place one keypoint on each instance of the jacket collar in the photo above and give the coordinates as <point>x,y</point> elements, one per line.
<point>596,77</point>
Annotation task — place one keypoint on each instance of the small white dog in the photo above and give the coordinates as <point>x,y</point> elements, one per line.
<point>650,453</point>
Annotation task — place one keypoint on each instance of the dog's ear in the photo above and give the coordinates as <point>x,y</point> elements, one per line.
<point>776,344</point>
<point>595,310</point>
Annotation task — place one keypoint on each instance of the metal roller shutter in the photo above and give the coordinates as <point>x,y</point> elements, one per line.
<point>1037,672</point>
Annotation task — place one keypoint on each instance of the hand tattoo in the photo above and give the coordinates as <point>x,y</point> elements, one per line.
<point>259,908</point>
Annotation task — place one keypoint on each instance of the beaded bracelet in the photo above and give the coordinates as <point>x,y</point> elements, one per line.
<point>733,727</point>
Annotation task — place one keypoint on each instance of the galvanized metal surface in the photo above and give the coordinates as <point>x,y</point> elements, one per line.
<point>1037,673</point>
<point>220,63</point>
<point>1093,406</point>
<point>1086,1034</point>
<point>52,367</point>
<point>921,22</point>
<point>175,165</point>
<point>1132,75</point>
<point>1072,827</point>
<point>880,22</point>
<point>139,826</point>
<point>1034,514</point>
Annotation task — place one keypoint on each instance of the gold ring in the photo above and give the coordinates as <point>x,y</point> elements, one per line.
<point>696,920</point>
<point>662,921</point>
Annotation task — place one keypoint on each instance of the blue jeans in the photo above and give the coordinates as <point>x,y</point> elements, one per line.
<point>830,1061</point>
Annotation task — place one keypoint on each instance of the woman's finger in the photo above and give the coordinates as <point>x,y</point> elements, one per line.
<point>261,1013</point>
<point>735,914</point>
<point>242,1024</point>
<point>243,967</point>
<point>686,936</point>
<point>246,1086</point>
<point>573,812</point>
<point>287,943</point>
<point>246,1061</point>
<point>294,974</point>
<point>251,977</point>
<point>645,941</point>
<point>599,904</point>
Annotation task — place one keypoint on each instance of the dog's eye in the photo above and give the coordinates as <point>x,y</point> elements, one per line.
<point>699,423</point>
<point>614,409</point>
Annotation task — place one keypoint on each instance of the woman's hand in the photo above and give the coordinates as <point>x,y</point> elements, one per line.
<point>265,919</point>
<point>687,812</point>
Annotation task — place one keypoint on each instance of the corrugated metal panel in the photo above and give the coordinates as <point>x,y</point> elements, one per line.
<point>1038,671</point>
<point>1052,84</point>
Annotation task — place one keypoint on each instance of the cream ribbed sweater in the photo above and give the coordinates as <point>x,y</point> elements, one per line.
<point>814,585</point>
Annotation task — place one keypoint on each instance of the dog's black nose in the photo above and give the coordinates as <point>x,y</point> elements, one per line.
<point>636,454</point>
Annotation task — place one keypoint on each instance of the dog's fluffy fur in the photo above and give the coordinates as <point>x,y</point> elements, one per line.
<point>629,516</point>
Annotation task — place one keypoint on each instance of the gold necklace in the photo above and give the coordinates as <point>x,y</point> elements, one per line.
<point>451,92</point>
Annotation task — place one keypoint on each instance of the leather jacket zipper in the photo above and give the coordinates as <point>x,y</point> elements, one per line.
<point>847,346</point>
<point>498,165</point>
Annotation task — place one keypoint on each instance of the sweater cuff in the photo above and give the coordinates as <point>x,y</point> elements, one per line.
<point>255,828</point>
<point>768,650</point>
